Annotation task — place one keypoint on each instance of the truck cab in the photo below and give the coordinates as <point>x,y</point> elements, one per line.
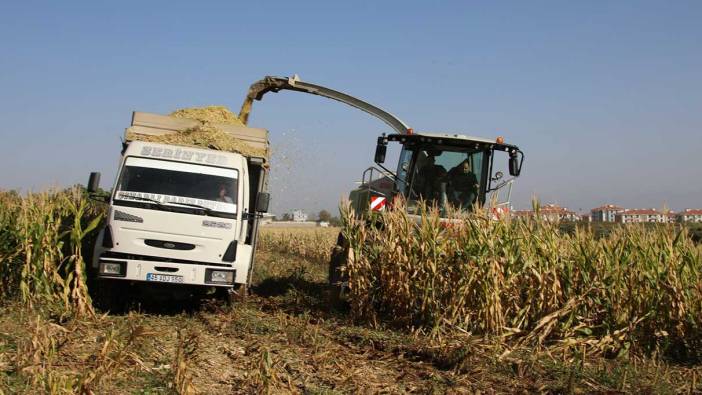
<point>181,215</point>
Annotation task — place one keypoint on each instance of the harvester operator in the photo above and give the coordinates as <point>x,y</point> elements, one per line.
<point>463,185</point>
<point>429,178</point>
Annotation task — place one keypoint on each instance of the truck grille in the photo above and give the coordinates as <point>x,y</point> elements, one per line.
<point>171,245</point>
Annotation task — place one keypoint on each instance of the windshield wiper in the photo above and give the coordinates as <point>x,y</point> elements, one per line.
<point>207,211</point>
<point>143,199</point>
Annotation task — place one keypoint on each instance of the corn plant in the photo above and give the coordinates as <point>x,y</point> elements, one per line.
<point>76,276</point>
<point>10,266</point>
<point>525,281</point>
<point>41,249</point>
<point>307,243</point>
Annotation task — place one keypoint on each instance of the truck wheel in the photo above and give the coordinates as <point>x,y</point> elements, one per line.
<point>110,295</point>
<point>107,295</point>
<point>231,295</point>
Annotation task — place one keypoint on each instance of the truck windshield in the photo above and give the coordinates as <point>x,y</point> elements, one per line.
<point>171,183</point>
<point>442,176</point>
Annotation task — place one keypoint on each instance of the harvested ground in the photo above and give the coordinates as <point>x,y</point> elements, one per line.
<point>286,338</point>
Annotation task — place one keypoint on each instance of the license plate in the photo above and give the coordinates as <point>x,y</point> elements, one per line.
<point>164,278</point>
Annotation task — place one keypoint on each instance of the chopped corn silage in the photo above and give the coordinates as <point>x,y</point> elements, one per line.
<point>206,134</point>
<point>216,114</point>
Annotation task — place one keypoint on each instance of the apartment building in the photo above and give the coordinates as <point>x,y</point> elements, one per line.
<point>549,212</point>
<point>606,213</point>
<point>630,216</point>
<point>613,213</point>
<point>690,215</point>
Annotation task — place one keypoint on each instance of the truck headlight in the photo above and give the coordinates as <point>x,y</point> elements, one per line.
<point>112,268</point>
<point>219,276</point>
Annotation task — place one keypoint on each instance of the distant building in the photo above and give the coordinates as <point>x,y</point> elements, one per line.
<point>522,213</point>
<point>554,212</point>
<point>689,215</point>
<point>299,216</point>
<point>549,212</point>
<point>586,218</point>
<point>267,218</point>
<point>629,216</point>
<point>671,216</point>
<point>606,213</point>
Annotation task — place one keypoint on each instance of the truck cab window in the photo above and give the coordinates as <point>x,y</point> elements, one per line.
<point>169,182</point>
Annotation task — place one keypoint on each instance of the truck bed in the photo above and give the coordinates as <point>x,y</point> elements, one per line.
<point>156,125</point>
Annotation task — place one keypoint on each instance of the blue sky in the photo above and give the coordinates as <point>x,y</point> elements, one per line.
<point>605,98</point>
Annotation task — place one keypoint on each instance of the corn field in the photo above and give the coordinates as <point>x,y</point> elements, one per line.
<point>482,291</point>
<point>308,243</point>
<point>42,236</point>
<point>526,283</point>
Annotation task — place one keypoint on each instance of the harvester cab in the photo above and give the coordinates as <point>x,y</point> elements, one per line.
<point>442,170</point>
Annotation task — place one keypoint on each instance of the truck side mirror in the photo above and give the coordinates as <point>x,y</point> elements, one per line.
<point>380,150</point>
<point>94,182</point>
<point>515,165</point>
<point>262,201</point>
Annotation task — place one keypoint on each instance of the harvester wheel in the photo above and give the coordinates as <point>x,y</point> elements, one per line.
<point>338,278</point>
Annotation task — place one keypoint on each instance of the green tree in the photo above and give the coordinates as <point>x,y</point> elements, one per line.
<point>324,216</point>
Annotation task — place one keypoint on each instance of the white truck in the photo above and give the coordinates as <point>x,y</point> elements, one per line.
<point>181,215</point>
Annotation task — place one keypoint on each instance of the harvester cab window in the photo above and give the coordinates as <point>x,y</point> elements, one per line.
<point>403,166</point>
<point>444,177</point>
<point>463,185</point>
<point>428,176</point>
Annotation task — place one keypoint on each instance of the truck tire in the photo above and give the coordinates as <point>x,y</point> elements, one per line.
<point>230,296</point>
<point>110,295</point>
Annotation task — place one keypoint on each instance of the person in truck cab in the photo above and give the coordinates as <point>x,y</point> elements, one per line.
<point>223,197</point>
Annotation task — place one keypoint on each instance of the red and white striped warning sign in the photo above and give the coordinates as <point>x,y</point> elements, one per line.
<point>377,203</point>
<point>499,212</point>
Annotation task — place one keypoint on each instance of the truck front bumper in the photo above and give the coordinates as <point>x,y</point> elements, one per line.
<point>166,272</point>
